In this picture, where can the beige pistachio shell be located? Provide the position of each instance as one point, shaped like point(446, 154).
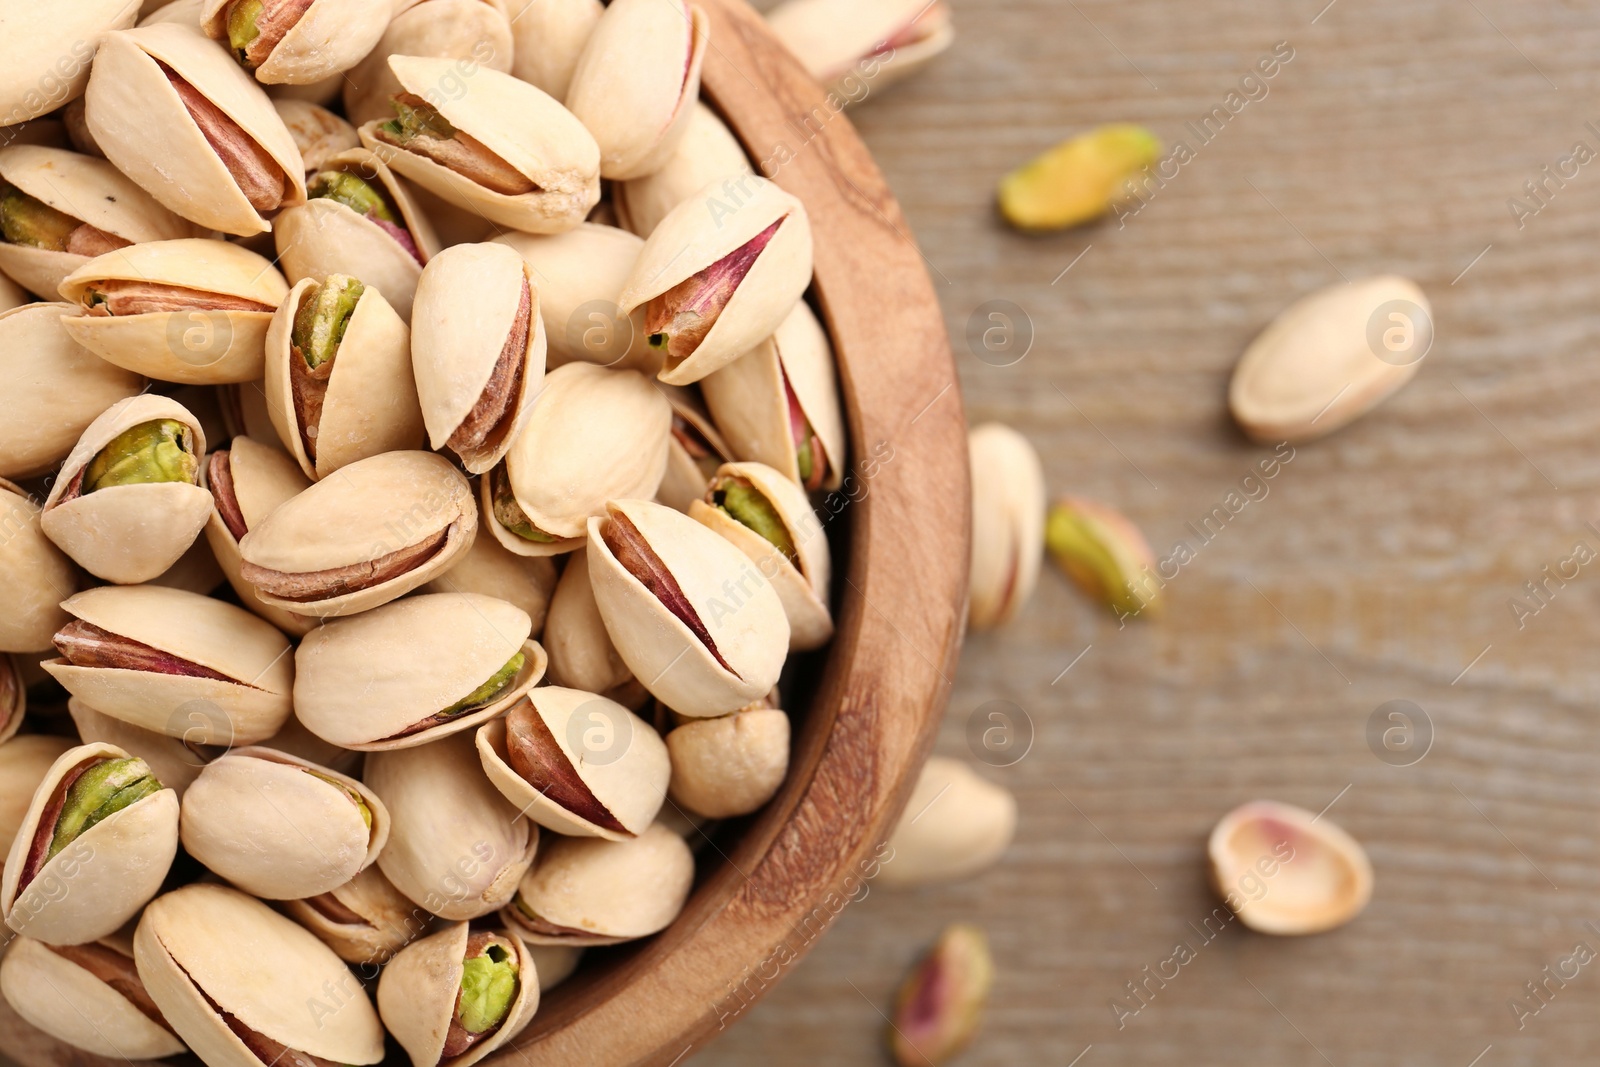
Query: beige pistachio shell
point(13, 696)
point(620, 760)
point(555, 963)
point(176, 762)
point(581, 653)
point(534, 134)
point(695, 451)
point(295, 740)
point(46, 49)
point(489, 570)
point(362, 682)
point(54, 389)
point(637, 81)
point(126, 533)
point(200, 630)
point(710, 225)
point(739, 609)
point(244, 411)
point(603, 892)
point(72, 1004)
point(263, 477)
point(139, 121)
point(848, 45)
point(418, 992)
point(35, 576)
point(457, 847)
point(708, 152)
point(11, 294)
point(324, 93)
point(195, 572)
point(1008, 520)
point(196, 347)
point(1315, 875)
point(373, 509)
point(731, 765)
point(550, 36)
point(749, 402)
point(91, 191)
point(470, 33)
point(330, 37)
point(366, 920)
point(955, 825)
point(102, 879)
point(24, 761)
point(187, 12)
point(207, 947)
point(318, 133)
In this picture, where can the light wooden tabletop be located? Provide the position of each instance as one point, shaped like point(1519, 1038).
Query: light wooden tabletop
point(1381, 564)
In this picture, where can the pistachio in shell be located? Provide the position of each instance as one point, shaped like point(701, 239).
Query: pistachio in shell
point(318, 133)
point(175, 761)
point(729, 766)
point(470, 33)
point(1008, 524)
point(366, 920)
point(294, 42)
point(694, 453)
point(847, 45)
point(13, 697)
point(490, 570)
point(581, 653)
point(35, 576)
point(549, 37)
point(46, 49)
point(955, 825)
point(708, 151)
point(11, 294)
point(24, 762)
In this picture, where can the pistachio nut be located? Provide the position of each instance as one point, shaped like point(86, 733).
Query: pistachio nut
point(955, 825)
point(88, 996)
point(729, 766)
point(779, 404)
point(59, 209)
point(769, 518)
point(280, 827)
point(247, 480)
point(359, 219)
point(470, 33)
point(1285, 870)
point(498, 146)
point(195, 572)
point(595, 892)
point(79, 139)
point(489, 570)
point(384, 526)
point(555, 963)
point(708, 151)
point(1008, 501)
point(844, 43)
point(414, 671)
point(694, 451)
point(173, 112)
point(366, 920)
point(46, 49)
point(549, 37)
point(54, 389)
point(456, 846)
point(1105, 554)
point(637, 81)
point(318, 133)
point(24, 761)
point(98, 838)
point(720, 274)
point(940, 1005)
point(693, 618)
point(1079, 180)
point(581, 653)
point(478, 352)
point(295, 42)
point(177, 663)
point(11, 294)
point(13, 697)
point(127, 503)
point(175, 761)
point(454, 997)
point(577, 763)
point(35, 576)
point(244, 986)
point(296, 740)
point(193, 311)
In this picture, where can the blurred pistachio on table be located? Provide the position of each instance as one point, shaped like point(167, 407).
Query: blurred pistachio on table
point(1079, 180)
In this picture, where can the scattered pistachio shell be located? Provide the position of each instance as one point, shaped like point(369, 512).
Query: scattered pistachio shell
point(1008, 496)
point(1104, 554)
point(940, 1006)
point(855, 45)
point(1284, 870)
point(955, 825)
point(1079, 180)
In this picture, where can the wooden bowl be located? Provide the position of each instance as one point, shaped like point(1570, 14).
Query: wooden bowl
point(882, 683)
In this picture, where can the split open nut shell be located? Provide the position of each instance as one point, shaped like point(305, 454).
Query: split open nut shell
point(1284, 870)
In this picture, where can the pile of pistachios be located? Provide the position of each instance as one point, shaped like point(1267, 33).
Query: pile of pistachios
point(415, 433)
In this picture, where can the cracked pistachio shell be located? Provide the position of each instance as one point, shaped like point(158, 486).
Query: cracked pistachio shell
point(581, 653)
point(54, 389)
point(208, 947)
point(419, 990)
point(194, 347)
point(89, 190)
point(456, 846)
point(262, 477)
point(616, 762)
point(23, 763)
point(694, 452)
point(749, 399)
point(637, 80)
point(175, 761)
point(35, 576)
point(848, 44)
point(708, 151)
point(467, 308)
point(104, 876)
point(489, 570)
point(331, 36)
point(955, 825)
point(709, 226)
point(361, 682)
point(280, 827)
point(531, 132)
point(731, 765)
point(140, 122)
point(199, 630)
point(126, 533)
point(318, 133)
point(13, 696)
point(738, 608)
point(550, 36)
point(375, 508)
point(45, 52)
point(593, 892)
point(1008, 522)
point(581, 274)
point(1318, 877)
point(366, 920)
point(470, 33)
point(803, 582)
point(11, 294)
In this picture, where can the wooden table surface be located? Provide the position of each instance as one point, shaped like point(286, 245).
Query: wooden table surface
point(1381, 564)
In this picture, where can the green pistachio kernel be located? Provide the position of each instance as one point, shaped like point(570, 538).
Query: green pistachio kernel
point(320, 323)
point(414, 120)
point(803, 457)
point(26, 221)
point(748, 507)
point(508, 513)
point(99, 793)
point(497, 684)
point(158, 451)
point(361, 805)
point(355, 193)
point(243, 28)
point(488, 986)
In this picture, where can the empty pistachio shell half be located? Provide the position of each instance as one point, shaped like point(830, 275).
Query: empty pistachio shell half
point(581, 653)
point(88, 996)
point(694, 452)
point(592, 892)
point(98, 838)
point(24, 761)
point(577, 763)
point(498, 146)
point(1105, 554)
point(779, 404)
point(178, 663)
point(414, 671)
point(175, 761)
point(1284, 870)
point(35, 576)
point(127, 503)
point(490, 570)
point(457, 995)
point(707, 151)
point(386, 525)
point(692, 617)
point(1008, 502)
point(45, 52)
point(846, 44)
point(637, 81)
point(940, 1005)
point(291, 41)
point(720, 274)
point(550, 36)
point(456, 846)
point(955, 825)
point(470, 33)
point(244, 986)
point(478, 351)
point(366, 920)
point(247, 480)
point(729, 766)
point(318, 133)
